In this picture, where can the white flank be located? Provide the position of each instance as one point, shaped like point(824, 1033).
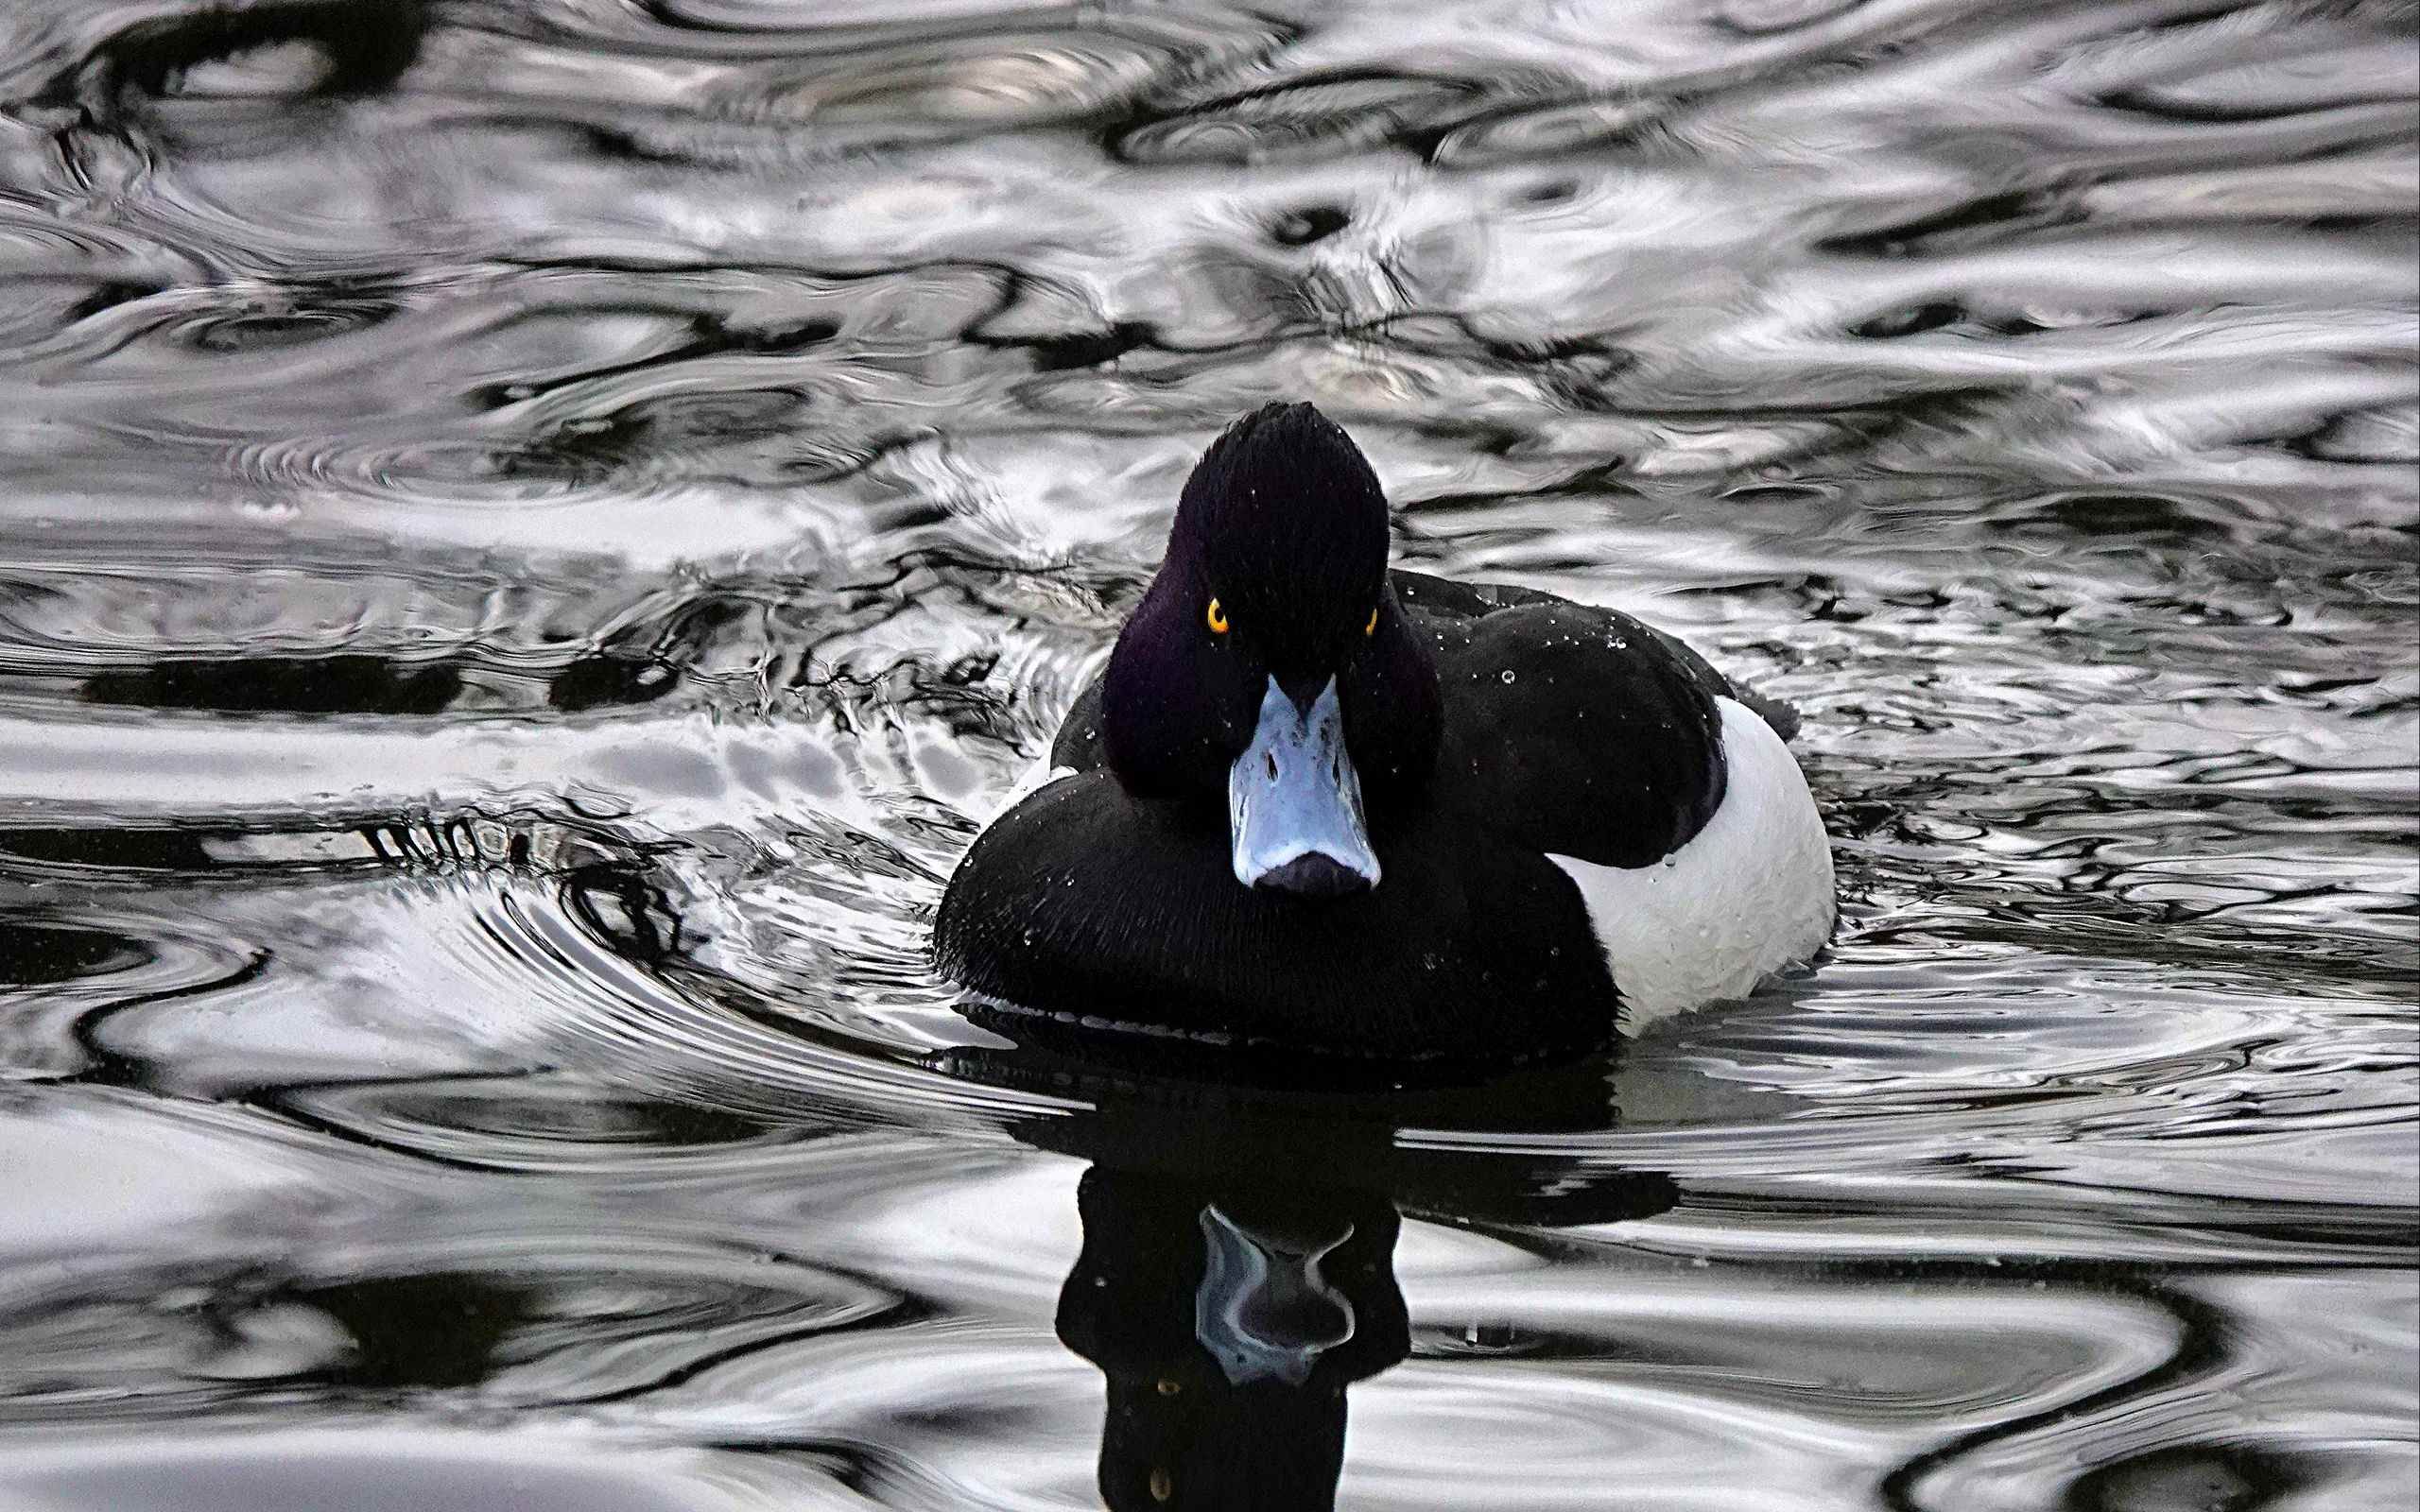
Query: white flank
point(1747, 895)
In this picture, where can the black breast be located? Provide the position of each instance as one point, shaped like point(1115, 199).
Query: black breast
point(1083, 901)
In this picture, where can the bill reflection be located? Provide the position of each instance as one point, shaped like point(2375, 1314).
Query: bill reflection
point(1228, 1319)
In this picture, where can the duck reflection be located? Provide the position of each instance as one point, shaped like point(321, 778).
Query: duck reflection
point(1229, 1318)
point(1237, 1268)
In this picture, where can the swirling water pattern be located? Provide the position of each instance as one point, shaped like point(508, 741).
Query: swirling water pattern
point(534, 531)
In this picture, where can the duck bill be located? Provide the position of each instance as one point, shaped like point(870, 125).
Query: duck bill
point(1294, 802)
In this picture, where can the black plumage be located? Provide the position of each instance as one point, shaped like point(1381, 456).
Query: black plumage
point(1492, 727)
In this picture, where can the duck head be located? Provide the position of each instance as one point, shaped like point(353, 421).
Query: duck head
point(1269, 669)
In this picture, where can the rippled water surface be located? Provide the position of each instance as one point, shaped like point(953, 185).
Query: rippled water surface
point(532, 532)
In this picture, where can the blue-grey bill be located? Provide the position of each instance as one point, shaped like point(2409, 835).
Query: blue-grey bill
point(1293, 797)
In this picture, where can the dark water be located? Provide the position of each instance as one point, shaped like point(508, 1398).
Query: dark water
point(532, 534)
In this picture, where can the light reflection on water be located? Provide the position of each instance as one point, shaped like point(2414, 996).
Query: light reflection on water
point(534, 533)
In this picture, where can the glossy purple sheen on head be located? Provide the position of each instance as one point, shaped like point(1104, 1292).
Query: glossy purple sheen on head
point(1284, 523)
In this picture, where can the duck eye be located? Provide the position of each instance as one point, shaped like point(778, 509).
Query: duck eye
point(1371, 629)
point(1217, 618)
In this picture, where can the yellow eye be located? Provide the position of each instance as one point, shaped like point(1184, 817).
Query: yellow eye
point(1371, 629)
point(1218, 618)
